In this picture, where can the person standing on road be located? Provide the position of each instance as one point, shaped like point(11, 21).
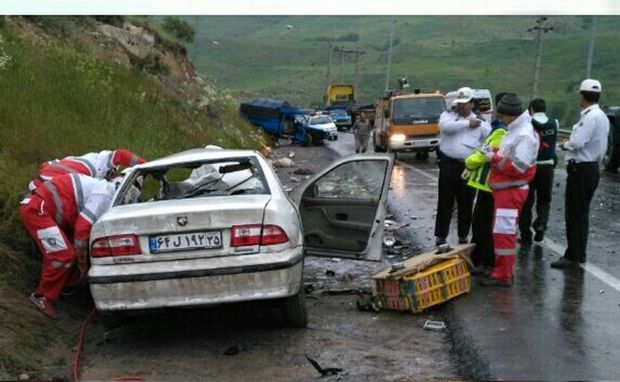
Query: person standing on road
point(361, 132)
point(459, 132)
point(478, 170)
point(585, 150)
point(542, 185)
point(513, 167)
point(59, 215)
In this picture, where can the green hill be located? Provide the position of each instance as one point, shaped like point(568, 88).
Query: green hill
point(69, 90)
point(286, 57)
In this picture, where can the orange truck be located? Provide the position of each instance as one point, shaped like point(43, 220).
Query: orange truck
point(408, 123)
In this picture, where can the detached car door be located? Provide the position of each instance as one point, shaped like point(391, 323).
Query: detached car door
point(343, 207)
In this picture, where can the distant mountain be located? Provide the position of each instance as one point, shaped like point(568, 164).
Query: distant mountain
point(286, 56)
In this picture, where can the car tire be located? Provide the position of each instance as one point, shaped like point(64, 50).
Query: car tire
point(421, 155)
point(295, 312)
point(612, 156)
point(335, 138)
point(307, 140)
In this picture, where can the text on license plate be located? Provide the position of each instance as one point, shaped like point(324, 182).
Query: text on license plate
point(185, 241)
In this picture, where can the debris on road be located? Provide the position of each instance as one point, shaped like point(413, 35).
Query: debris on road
point(434, 325)
point(329, 272)
point(424, 280)
point(367, 302)
point(323, 371)
point(303, 171)
point(283, 162)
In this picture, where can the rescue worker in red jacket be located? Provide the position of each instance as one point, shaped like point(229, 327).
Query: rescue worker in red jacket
point(59, 215)
point(97, 165)
point(513, 167)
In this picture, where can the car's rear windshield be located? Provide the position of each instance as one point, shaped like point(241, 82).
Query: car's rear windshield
point(203, 179)
point(338, 112)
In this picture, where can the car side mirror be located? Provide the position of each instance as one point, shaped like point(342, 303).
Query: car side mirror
point(386, 113)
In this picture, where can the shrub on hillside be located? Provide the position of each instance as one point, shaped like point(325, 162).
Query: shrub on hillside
point(180, 28)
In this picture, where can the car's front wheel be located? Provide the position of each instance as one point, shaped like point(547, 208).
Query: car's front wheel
point(295, 312)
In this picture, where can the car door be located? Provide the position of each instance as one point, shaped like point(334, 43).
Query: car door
point(343, 207)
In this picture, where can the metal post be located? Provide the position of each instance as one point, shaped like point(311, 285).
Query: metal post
point(341, 50)
point(329, 63)
point(591, 46)
point(389, 63)
point(537, 66)
point(540, 28)
point(357, 57)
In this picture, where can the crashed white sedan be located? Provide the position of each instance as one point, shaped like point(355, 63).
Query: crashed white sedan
point(208, 226)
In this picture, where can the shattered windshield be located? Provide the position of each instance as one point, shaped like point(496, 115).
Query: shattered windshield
point(407, 110)
point(353, 180)
point(227, 177)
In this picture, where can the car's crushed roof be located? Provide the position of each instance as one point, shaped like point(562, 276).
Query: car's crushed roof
point(199, 154)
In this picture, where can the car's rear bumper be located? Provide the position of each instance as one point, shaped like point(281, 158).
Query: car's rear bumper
point(197, 281)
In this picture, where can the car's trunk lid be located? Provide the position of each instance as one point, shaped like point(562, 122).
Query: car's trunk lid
point(190, 228)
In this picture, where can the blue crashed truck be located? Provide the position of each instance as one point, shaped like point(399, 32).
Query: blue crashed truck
point(281, 120)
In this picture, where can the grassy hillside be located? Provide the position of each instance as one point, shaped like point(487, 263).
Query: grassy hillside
point(58, 100)
point(261, 56)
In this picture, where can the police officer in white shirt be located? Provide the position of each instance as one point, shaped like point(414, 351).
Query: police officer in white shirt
point(459, 131)
point(585, 150)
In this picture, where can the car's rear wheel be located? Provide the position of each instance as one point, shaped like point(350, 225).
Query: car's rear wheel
point(612, 156)
point(295, 312)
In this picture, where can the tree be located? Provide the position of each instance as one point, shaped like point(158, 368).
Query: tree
point(180, 28)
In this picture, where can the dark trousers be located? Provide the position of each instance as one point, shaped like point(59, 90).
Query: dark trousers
point(451, 188)
point(540, 191)
point(580, 186)
point(482, 230)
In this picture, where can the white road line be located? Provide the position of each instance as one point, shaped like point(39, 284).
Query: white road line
point(592, 269)
point(588, 267)
point(421, 172)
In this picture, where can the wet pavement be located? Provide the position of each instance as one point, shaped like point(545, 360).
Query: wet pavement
point(552, 324)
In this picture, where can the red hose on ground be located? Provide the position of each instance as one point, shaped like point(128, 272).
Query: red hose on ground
point(76, 357)
point(78, 351)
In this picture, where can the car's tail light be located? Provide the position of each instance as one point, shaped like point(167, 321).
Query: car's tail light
point(272, 234)
point(255, 234)
point(120, 245)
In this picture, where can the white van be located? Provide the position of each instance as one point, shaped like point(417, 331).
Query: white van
point(483, 102)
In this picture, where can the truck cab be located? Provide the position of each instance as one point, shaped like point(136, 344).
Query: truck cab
point(408, 123)
point(340, 94)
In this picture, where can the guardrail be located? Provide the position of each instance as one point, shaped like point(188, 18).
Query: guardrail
point(563, 133)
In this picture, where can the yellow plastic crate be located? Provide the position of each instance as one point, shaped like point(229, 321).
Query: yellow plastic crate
point(435, 285)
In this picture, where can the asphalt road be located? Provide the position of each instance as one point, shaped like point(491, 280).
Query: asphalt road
point(552, 324)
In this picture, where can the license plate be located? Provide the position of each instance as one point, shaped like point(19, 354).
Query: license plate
point(185, 241)
point(419, 143)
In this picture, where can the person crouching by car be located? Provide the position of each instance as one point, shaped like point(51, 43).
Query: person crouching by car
point(59, 215)
point(513, 167)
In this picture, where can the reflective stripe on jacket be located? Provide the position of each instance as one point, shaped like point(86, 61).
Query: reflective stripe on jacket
point(478, 165)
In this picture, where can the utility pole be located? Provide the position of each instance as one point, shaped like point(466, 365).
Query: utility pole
point(342, 52)
point(591, 46)
point(540, 28)
point(329, 63)
point(357, 59)
point(389, 63)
